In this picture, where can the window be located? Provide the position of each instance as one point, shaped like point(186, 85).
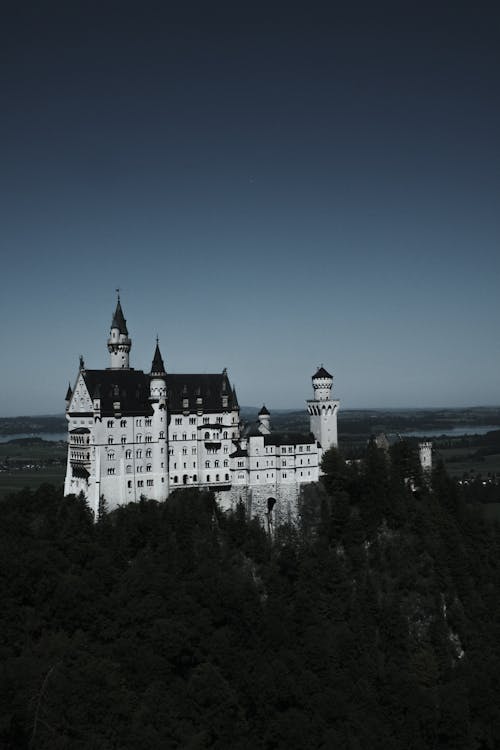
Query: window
point(283, 450)
point(226, 449)
point(178, 420)
point(148, 467)
point(208, 477)
point(110, 423)
point(184, 436)
point(129, 484)
point(184, 451)
point(123, 439)
point(128, 454)
point(111, 456)
point(148, 438)
point(224, 434)
point(192, 420)
point(207, 436)
point(162, 435)
point(194, 464)
point(140, 483)
point(129, 469)
point(170, 451)
point(219, 420)
point(111, 470)
point(216, 464)
point(139, 469)
point(148, 422)
point(207, 464)
point(193, 451)
point(227, 477)
point(176, 479)
point(290, 449)
point(226, 462)
point(193, 436)
point(284, 475)
point(174, 436)
point(301, 448)
point(206, 420)
point(110, 440)
point(123, 423)
point(139, 439)
point(195, 478)
point(148, 453)
point(283, 462)
point(138, 454)
point(241, 464)
point(308, 448)
point(217, 478)
point(150, 482)
point(138, 422)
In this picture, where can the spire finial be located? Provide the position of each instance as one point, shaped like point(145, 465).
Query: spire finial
point(117, 290)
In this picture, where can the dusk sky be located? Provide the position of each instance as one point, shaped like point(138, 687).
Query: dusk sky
point(272, 187)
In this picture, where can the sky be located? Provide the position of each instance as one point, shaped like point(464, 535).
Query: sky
point(271, 186)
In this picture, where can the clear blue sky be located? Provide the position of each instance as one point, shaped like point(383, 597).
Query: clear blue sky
point(272, 187)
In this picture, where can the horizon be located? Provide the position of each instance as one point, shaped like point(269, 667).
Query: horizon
point(269, 189)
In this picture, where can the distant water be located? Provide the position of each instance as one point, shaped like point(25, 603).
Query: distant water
point(453, 431)
point(43, 435)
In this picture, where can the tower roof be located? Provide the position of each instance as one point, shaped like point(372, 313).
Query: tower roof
point(264, 412)
point(321, 373)
point(69, 393)
point(157, 367)
point(119, 320)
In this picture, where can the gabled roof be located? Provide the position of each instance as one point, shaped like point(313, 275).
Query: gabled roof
point(211, 388)
point(128, 387)
point(321, 373)
point(289, 438)
point(119, 320)
point(264, 412)
point(157, 367)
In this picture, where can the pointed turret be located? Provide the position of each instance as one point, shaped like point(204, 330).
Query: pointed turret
point(158, 383)
point(119, 344)
point(119, 319)
point(157, 366)
point(69, 393)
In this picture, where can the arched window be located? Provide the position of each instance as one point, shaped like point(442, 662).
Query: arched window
point(207, 436)
point(207, 464)
point(129, 469)
point(128, 454)
point(227, 477)
point(224, 434)
point(176, 480)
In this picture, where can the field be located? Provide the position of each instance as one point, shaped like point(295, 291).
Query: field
point(30, 463)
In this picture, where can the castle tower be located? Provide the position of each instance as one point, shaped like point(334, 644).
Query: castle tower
point(119, 344)
point(425, 456)
point(323, 410)
point(264, 421)
point(160, 422)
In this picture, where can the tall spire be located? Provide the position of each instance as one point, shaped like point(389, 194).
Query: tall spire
point(157, 367)
point(118, 318)
point(119, 344)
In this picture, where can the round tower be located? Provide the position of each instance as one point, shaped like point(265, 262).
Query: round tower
point(323, 410)
point(119, 343)
point(264, 421)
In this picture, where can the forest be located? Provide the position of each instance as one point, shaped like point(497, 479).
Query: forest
point(373, 623)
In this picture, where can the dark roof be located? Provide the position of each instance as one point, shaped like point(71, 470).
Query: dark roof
point(191, 386)
point(264, 412)
point(118, 319)
point(239, 453)
point(129, 387)
point(289, 438)
point(157, 367)
point(322, 373)
point(79, 431)
point(69, 393)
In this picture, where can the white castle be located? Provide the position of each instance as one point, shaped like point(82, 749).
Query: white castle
point(134, 434)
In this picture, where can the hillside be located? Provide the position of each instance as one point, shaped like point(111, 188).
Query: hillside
point(373, 625)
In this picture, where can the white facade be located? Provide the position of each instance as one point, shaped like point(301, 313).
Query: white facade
point(133, 434)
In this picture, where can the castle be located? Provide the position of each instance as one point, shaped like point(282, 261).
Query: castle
point(134, 434)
